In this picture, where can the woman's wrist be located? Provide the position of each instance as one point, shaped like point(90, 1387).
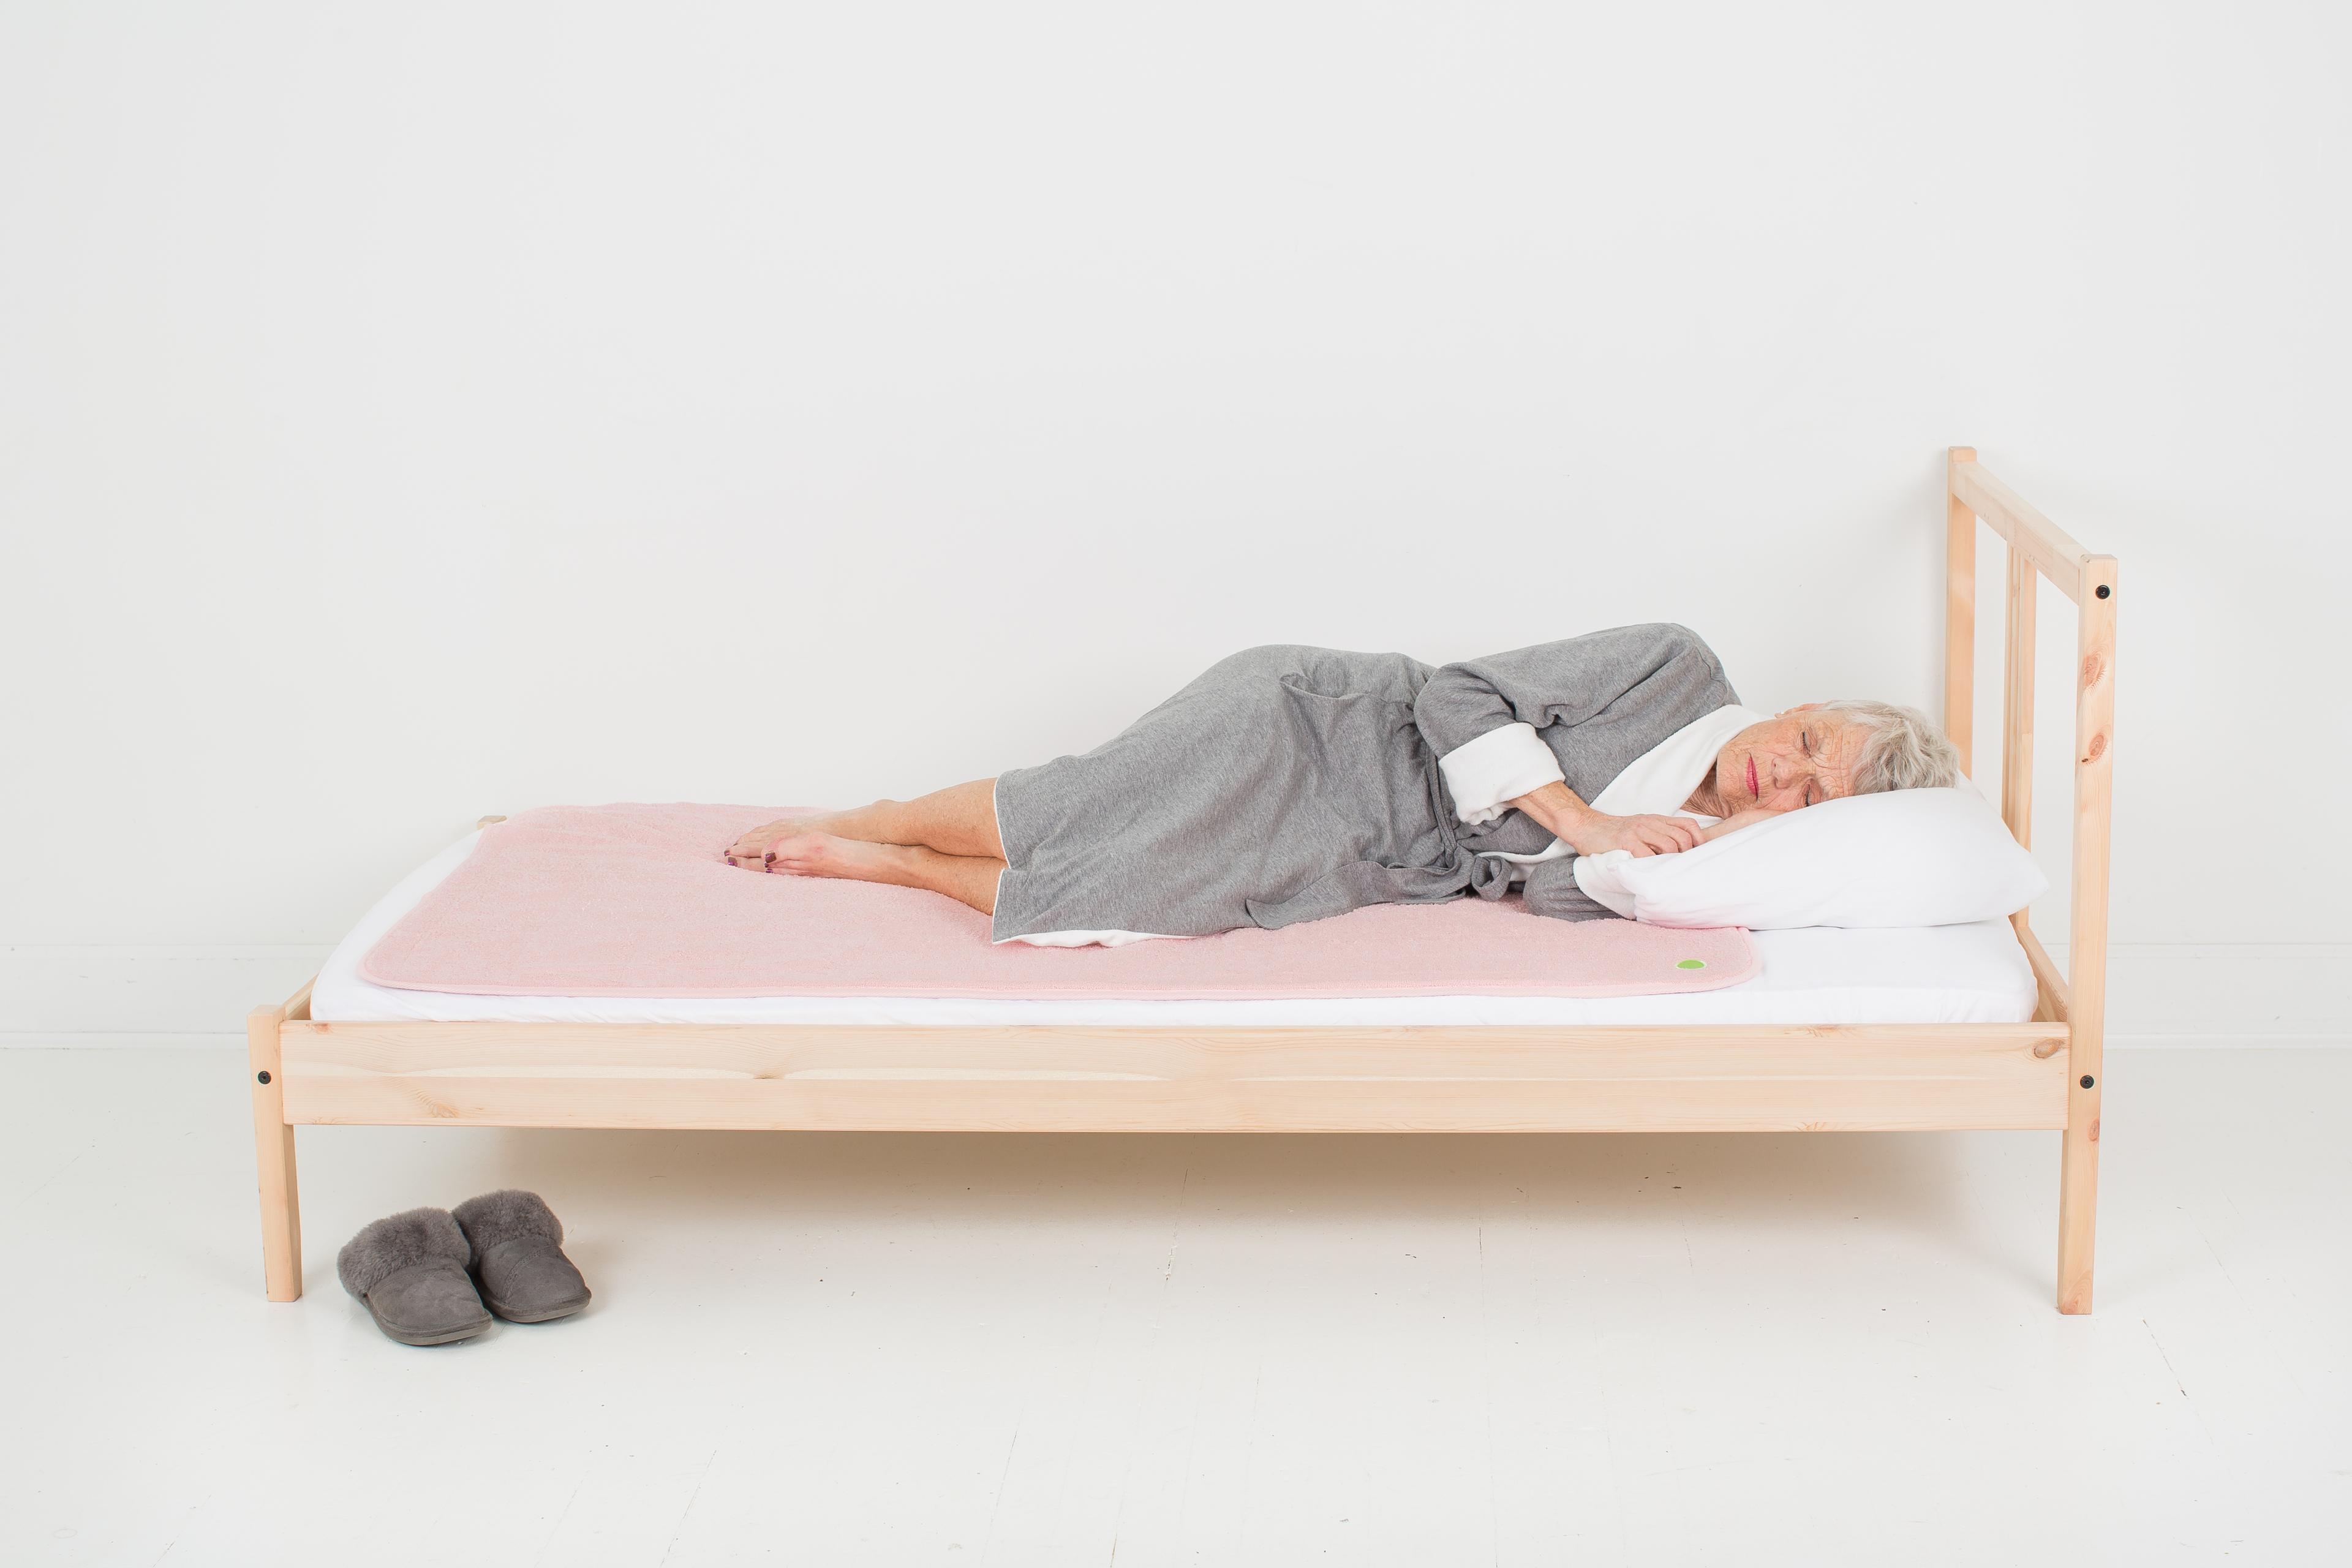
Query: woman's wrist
point(1556, 806)
point(1590, 832)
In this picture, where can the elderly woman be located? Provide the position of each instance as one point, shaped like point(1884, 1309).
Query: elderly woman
point(1288, 783)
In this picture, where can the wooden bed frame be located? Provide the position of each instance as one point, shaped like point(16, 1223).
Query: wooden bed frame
point(1329, 1078)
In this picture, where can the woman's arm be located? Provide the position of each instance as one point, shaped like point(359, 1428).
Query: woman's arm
point(1483, 717)
point(1589, 832)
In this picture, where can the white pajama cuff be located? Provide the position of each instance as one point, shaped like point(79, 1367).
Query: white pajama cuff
point(1092, 937)
point(1500, 765)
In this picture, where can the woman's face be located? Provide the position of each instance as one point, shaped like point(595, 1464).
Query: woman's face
point(1802, 757)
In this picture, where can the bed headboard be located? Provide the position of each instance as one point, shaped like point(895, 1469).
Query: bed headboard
point(2039, 548)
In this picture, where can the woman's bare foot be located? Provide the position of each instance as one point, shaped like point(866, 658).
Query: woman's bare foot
point(750, 851)
point(958, 821)
point(806, 854)
point(967, 879)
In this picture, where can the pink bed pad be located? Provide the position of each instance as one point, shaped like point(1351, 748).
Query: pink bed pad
point(618, 900)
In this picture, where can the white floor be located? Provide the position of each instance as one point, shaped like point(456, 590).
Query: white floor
point(975, 1349)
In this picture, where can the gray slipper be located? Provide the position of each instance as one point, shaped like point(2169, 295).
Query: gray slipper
point(409, 1269)
point(519, 1256)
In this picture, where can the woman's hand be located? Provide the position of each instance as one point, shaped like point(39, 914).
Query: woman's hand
point(1593, 834)
point(1589, 832)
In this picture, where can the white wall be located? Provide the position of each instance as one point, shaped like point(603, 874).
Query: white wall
point(409, 411)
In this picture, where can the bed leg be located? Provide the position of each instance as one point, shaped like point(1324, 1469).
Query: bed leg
point(273, 1147)
point(2086, 1010)
point(2078, 1194)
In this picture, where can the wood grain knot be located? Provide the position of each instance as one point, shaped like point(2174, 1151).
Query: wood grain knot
point(2094, 1128)
point(2098, 748)
point(2094, 666)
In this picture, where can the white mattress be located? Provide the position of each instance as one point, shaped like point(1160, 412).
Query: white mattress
point(1974, 974)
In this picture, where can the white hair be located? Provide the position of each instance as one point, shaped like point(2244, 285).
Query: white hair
point(1900, 749)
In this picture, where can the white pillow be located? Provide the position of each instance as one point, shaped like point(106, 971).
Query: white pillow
point(1901, 857)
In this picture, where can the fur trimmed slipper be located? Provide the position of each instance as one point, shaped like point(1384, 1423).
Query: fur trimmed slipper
point(409, 1270)
point(519, 1256)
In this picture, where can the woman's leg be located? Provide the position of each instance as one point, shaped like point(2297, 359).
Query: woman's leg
point(967, 879)
point(960, 821)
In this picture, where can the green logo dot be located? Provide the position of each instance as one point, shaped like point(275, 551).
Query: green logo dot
point(1691, 964)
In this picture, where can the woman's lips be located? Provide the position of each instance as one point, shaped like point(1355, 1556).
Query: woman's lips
point(1752, 790)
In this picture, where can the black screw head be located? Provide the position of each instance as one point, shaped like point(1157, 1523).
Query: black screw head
point(2086, 1079)
point(264, 1077)
point(2105, 590)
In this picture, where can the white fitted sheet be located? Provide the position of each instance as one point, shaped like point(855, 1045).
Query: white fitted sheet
point(1974, 974)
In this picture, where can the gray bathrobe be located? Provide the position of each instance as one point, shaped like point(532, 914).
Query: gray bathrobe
point(1288, 783)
